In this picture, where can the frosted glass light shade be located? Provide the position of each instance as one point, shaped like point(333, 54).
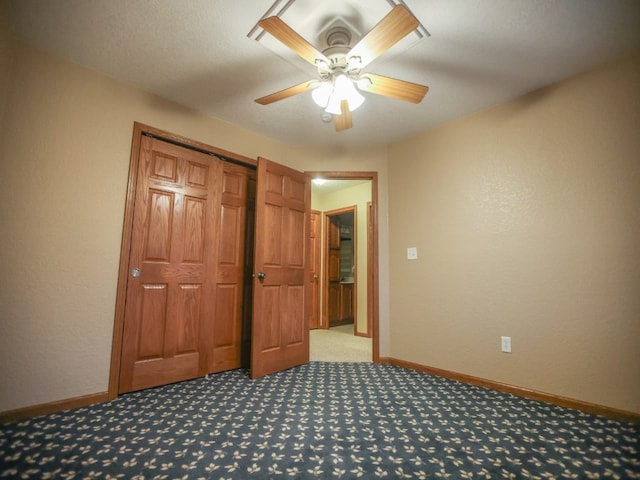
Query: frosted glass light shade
point(333, 107)
point(321, 94)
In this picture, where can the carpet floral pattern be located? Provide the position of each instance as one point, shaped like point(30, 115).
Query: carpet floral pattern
point(320, 421)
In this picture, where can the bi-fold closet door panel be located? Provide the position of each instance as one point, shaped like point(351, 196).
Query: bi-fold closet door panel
point(282, 287)
point(233, 238)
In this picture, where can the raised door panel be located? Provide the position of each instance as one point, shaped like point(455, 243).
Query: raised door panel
point(152, 311)
point(227, 328)
point(334, 233)
point(185, 315)
point(195, 221)
point(158, 224)
point(293, 331)
point(333, 303)
point(334, 265)
point(346, 302)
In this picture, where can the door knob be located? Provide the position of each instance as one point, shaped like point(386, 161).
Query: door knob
point(261, 276)
point(315, 277)
point(135, 272)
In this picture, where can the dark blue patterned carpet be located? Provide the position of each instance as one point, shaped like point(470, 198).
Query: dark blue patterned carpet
point(321, 420)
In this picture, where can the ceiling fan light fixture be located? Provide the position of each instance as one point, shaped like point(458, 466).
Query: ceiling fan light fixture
point(344, 89)
point(339, 66)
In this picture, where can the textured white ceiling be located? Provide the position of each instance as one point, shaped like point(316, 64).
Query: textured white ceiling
point(197, 53)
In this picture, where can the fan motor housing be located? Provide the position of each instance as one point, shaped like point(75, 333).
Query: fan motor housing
point(338, 36)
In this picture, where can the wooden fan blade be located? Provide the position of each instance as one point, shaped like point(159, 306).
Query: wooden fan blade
point(286, 93)
point(396, 25)
point(344, 121)
point(289, 37)
point(394, 88)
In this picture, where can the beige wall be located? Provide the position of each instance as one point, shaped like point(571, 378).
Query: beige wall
point(357, 195)
point(527, 222)
point(64, 157)
point(6, 56)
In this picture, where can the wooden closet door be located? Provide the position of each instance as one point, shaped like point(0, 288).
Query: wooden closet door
point(281, 297)
point(228, 319)
point(171, 288)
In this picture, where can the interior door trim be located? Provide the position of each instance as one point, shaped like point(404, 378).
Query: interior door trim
point(139, 130)
point(373, 297)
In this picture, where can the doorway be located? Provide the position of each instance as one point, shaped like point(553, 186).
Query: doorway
point(367, 264)
point(340, 284)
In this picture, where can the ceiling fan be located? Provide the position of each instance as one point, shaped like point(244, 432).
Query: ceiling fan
point(340, 67)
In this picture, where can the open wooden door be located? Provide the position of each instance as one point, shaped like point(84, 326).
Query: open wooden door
point(281, 299)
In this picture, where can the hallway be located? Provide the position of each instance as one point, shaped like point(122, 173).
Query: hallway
point(339, 344)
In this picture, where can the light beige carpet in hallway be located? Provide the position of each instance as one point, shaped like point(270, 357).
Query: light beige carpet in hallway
point(338, 344)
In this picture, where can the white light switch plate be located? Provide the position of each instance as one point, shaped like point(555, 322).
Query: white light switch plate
point(412, 253)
